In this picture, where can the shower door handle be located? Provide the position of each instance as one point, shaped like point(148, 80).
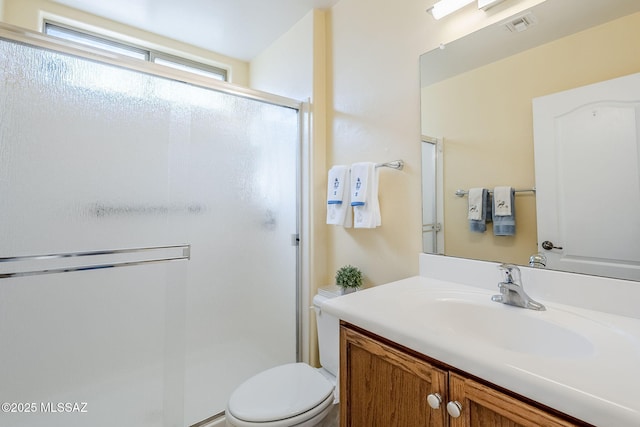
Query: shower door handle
point(20, 266)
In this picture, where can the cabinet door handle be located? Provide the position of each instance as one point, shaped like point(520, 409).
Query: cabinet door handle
point(454, 409)
point(434, 400)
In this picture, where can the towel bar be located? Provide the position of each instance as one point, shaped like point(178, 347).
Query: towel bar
point(396, 164)
point(462, 193)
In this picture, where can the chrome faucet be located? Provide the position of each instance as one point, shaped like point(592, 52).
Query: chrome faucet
point(511, 290)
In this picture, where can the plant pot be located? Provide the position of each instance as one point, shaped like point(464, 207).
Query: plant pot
point(344, 291)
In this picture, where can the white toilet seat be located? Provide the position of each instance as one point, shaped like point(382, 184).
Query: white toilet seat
point(307, 419)
point(294, 394)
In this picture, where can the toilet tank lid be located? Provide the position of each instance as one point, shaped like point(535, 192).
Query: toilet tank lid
point(320, 297)
point(330, 291)
point(278, 393)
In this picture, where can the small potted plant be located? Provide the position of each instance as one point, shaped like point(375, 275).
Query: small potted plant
point(348, 278)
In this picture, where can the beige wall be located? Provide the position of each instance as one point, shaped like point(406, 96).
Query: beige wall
point(30, 13)
point(374, 115)
point(486, 119)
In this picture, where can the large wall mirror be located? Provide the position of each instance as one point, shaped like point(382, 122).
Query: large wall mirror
point(476, 99)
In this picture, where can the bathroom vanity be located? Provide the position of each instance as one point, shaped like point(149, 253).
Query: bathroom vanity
point(385, 384)
point(435, 352)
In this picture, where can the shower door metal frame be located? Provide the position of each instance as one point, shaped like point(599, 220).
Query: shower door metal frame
point(436, 226)
point(23, 36)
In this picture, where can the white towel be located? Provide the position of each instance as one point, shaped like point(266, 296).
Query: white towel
point(336, 183)
point(338, 206)
point(359, 181)
point(502, 201)
point(364, 195)
point(475, 204)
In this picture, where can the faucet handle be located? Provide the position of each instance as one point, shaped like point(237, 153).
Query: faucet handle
point(510, 273)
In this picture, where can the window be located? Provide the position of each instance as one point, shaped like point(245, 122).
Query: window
point(88, 39)
point(191, 66)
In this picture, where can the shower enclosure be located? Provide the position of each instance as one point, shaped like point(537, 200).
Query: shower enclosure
point(148, 259)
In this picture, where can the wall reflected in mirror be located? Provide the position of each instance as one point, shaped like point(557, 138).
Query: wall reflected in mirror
point(476, 97)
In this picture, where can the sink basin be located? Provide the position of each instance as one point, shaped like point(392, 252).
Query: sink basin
point(509, 328)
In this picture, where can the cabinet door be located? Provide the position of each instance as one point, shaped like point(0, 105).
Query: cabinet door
point(381, 386)
point(484, 406)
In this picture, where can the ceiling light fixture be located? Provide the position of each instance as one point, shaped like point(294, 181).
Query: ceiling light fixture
point(446, 7)
point(488, 4)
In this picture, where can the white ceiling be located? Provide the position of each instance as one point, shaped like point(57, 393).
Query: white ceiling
point(237, 28)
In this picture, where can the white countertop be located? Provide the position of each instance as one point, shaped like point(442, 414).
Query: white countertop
point(597, 380)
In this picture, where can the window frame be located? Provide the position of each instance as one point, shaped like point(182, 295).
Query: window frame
point(150, 55)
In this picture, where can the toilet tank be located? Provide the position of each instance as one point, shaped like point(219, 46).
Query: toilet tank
point(328, 336)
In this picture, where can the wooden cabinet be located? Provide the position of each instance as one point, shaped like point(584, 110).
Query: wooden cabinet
point(485, 406)
point(382, 384)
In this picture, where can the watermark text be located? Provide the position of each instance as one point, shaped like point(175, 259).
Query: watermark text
point(46, 407)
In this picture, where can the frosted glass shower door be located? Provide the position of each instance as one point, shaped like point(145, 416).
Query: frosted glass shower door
point(241, 289)
point(86, 166)
point(95, 157)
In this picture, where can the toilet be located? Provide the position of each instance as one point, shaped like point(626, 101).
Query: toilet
point(294, 394)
